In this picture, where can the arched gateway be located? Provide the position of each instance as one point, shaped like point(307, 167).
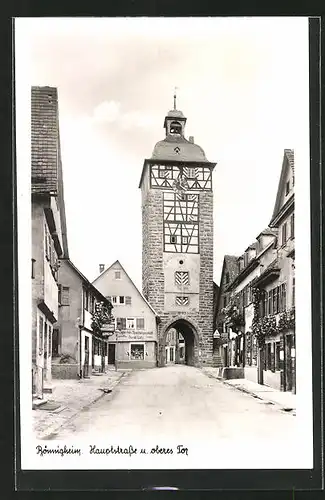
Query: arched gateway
point(177, 235)
point(190, 339)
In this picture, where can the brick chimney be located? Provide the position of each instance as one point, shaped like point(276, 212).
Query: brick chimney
point(101, 268)
point(191, 139)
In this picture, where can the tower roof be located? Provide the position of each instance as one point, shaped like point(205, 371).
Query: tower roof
point(179, 149)
point(175, 146)
point(175, 113)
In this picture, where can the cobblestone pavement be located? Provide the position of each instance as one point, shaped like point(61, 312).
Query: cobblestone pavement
point(72, 396)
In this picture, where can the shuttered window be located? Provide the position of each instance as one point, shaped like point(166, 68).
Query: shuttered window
point(128, 300)
point(140, 323)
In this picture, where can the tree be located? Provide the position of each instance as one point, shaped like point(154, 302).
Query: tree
point(101, 316)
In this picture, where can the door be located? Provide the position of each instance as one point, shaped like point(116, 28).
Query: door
point(111, 354)
point(261, 365)
point(86, 361)
point(288, 363)
point(104, 347)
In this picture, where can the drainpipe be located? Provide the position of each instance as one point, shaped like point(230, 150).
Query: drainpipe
point(80, 354)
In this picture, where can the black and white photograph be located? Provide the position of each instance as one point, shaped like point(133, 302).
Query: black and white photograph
point(163, 198)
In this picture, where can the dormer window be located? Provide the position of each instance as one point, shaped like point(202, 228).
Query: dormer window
point(175, 128)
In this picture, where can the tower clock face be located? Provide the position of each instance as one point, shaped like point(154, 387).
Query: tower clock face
point(181, 222)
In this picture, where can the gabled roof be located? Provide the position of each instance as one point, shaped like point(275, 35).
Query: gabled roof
point(252, 246)
point(268, 231)
point(230, 262)
point(85, 280)
point(118, 262)
point(287, 163)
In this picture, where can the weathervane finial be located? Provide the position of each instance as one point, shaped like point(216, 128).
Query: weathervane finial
point(176, 88)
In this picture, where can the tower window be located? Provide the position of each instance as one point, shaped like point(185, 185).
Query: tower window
point(173, 239)
point(175, 128)
point(185, 240)
point(191, 173)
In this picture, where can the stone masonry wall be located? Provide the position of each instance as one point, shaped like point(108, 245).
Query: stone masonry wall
point(206, 274)
point(153, 274)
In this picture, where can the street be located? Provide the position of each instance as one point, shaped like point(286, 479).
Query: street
point(179, 401)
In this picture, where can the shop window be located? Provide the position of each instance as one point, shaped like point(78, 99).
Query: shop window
point(137, 351)
point(140, 323)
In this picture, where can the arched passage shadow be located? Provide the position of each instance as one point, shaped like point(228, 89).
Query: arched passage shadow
point(190, 335)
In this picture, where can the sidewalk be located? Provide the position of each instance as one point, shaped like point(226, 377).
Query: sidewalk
point(69, 397)
point(285, 400)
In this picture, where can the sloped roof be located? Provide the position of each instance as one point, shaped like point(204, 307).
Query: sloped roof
point(46, 164)
point(118, 262)
point(268, 231)
point(288, 162)
point(252, 246)
point(231, 263)
point(179, 149)
point(87, 282)
point(44, 139)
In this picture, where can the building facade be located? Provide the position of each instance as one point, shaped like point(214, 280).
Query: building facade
point(78, 350)
point(134, 342)
point(257, 309)
point(177, 235)
point(49, 236)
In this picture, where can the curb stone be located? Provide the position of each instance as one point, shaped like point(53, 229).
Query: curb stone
point(290, 411)
point(52, 430)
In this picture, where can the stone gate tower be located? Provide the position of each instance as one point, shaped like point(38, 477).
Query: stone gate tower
point(177, 233)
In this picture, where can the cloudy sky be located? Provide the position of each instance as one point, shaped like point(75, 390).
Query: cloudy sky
point(242, 86)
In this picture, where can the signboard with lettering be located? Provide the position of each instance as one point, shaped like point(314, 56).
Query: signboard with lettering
point(127, 335)
point(108, 328)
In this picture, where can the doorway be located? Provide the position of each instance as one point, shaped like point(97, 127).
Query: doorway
point(86, 360)
point(111, 354)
